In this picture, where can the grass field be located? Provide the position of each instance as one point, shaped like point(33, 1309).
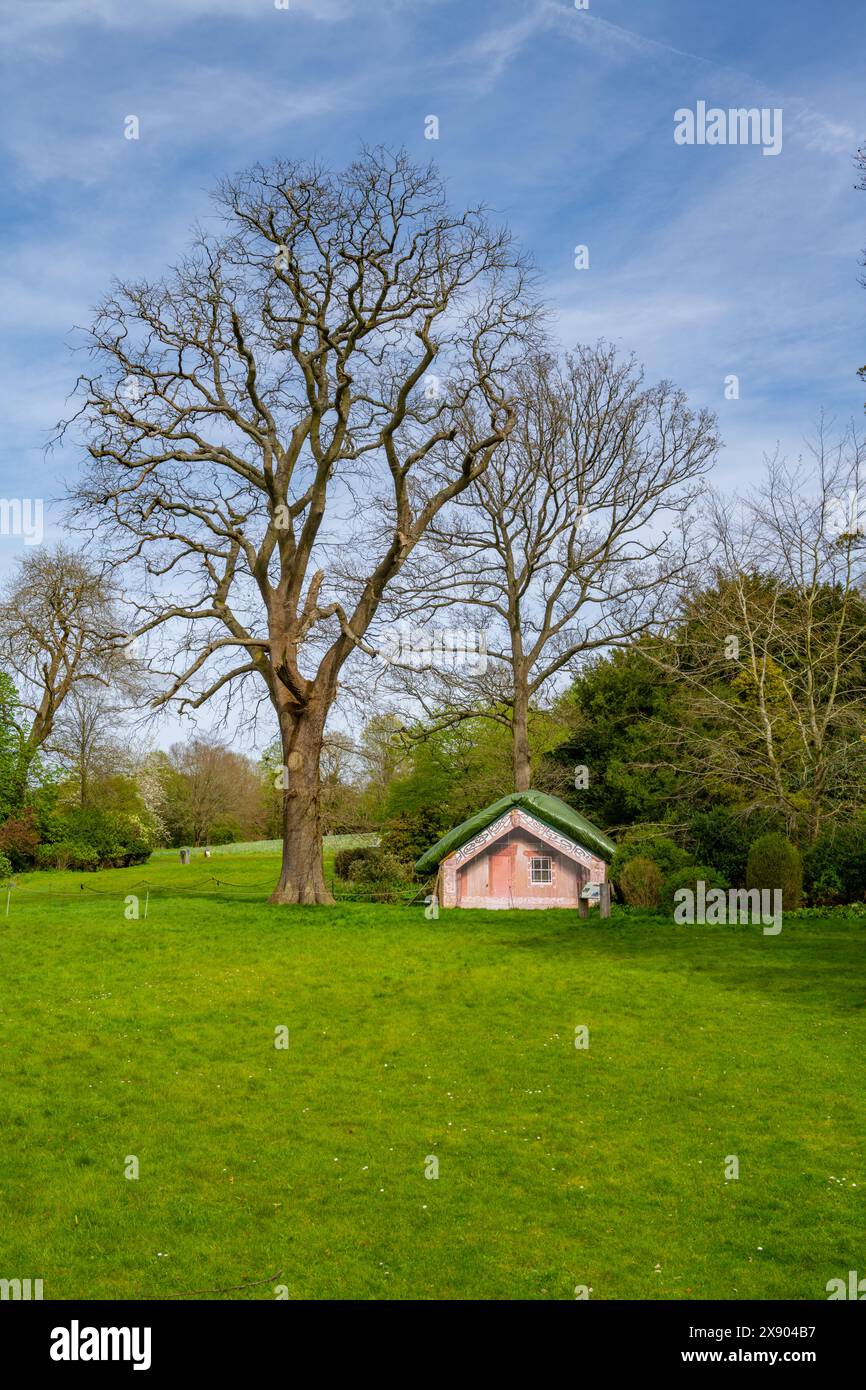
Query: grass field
point(411, 1039)
point(259, 847)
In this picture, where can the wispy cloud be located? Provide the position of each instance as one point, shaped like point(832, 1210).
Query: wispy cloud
point(704, 261)
point(32, 18)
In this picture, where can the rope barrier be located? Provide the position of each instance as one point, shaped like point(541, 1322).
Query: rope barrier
point(145, 883)
point(164, 890)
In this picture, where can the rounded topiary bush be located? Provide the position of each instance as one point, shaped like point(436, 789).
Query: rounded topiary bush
point(689, 878)
point(775, 863)
point(640, 882)
point(5, 867)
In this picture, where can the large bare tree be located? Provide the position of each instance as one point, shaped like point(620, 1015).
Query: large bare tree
point(270, 407)
point(572, 541)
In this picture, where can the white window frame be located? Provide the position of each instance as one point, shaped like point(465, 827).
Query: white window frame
point(540, 860)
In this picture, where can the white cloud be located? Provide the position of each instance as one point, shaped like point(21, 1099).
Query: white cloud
point(30, 19)
point(183, 111)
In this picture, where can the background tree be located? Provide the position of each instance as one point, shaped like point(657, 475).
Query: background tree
point(212, 795)
point(614, 720)
point(11, 741)
point(573, 540)
point(270, 404)
point(60, 635)
point(772, 654)
point(341, 784)
point(446, 774)
point(85, 739)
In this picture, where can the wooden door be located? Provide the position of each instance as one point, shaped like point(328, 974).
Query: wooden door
point(500, 874)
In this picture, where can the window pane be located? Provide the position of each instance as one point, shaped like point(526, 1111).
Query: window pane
point(541, 870)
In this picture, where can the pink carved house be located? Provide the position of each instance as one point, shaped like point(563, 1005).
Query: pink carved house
point(526, 850)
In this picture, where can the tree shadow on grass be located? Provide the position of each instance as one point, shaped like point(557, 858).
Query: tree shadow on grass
point(818, 964)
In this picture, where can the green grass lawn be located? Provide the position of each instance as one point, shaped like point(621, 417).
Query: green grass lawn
point(558, 1167)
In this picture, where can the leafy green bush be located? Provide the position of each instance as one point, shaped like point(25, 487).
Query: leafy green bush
point(136, 852)
point(371, 875)
point(641, 882)
point(644, 841)
point(114, 837)
point(827, 890)
point(67, 854)
point(5, 868)
point(834, 868)
point(775, 863)
point(345, 858)
point(690, 877)
point(377, 867)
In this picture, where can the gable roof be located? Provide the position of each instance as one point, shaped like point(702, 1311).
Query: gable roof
point(549, 809)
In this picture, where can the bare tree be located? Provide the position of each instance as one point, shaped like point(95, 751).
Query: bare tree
point(60, 636)
point(771, 656)
point(214, 784)
point(572, 541)
point(85, 737)
point(270, 405)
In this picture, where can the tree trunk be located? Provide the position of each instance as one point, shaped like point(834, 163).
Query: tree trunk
point(520, 740)
point(21, 777)
point(302, 879)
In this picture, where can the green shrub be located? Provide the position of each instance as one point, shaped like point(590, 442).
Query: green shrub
point(644, 841)
point(834, 868)
point(345, 858)
point(690, 877)
point(6, 870)
point(640, 882)
point(137, 852)
point(775, 863)
point(115, 838)
point(373, 876)
point(377, 867)
point(67, 854)
point(827, 890)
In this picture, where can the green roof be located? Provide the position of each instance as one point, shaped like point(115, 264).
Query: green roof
point(549, 809)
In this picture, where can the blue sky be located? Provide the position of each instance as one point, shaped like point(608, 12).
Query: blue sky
point(704, 260)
